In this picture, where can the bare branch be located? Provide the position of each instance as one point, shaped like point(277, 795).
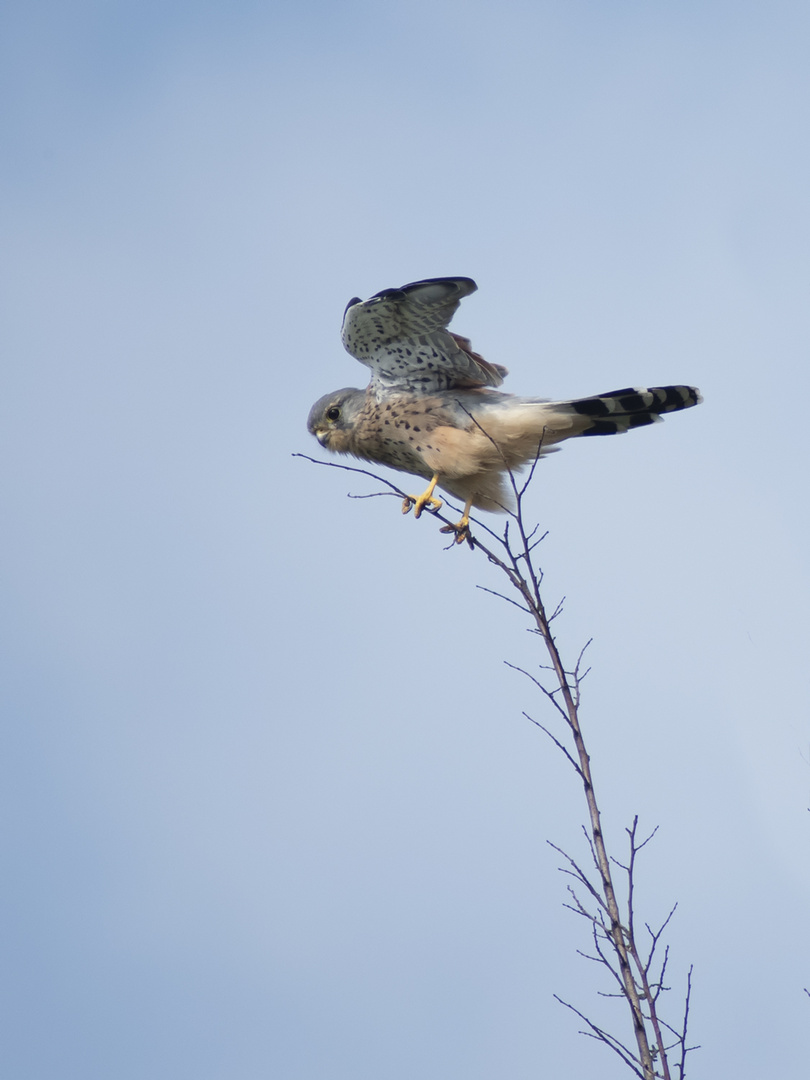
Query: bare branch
point(508, 599)
point(550, 694)
point(597, 1033)
point(639, 980)
point(353, 469)
point(554, 739)
point(576, 871)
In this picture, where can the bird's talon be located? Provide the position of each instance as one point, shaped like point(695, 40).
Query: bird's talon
point(426, 499)
point(461, 530)
point(430, 504)
point(420, 503)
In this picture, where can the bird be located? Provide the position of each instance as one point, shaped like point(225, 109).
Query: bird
point(432, 407)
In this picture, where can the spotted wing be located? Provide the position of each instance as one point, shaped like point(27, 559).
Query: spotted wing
point(402, 335)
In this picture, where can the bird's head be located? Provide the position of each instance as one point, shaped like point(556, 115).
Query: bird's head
point(332, 418)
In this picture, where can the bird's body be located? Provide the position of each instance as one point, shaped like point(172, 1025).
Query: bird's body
point(429, 408)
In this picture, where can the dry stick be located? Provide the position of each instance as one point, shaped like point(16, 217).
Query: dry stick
point(526, 580)
point(616, 931)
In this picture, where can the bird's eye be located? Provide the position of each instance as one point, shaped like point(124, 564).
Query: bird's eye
point(333, 413)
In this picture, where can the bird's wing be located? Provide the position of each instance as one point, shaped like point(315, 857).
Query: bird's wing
point(402, 335)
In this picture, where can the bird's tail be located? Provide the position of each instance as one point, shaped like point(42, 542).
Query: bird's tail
point(507, 432)
point(622, 410)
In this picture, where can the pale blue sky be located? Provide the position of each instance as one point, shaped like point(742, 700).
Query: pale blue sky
point(254, 825)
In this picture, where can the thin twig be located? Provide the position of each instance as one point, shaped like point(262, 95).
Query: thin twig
point(597, 1033)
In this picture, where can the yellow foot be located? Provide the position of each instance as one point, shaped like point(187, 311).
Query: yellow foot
point(433, 505)
point(419, 502)
point(461, 528)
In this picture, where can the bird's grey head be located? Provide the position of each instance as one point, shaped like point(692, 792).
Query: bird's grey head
point(332, 417)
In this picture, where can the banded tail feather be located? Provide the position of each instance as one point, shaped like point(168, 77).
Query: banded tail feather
point(622, 410)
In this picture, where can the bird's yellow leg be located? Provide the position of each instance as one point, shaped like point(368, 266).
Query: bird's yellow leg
point(461, 528)
point(419, 502)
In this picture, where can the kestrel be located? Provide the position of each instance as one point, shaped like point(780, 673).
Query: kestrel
point(429, 409)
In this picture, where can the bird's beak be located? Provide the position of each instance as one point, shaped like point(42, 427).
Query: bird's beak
point(322, 436)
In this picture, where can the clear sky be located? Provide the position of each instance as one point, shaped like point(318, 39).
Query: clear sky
point(268, 804)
